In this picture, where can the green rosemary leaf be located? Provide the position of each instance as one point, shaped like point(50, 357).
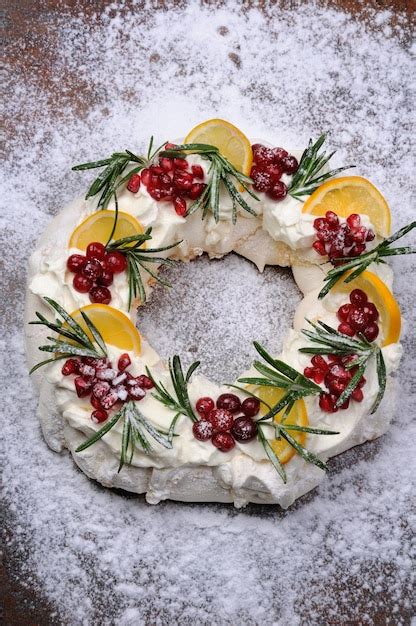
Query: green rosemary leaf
point(351, 386)
point(95, 333)
point(136, 416)
point(191, 370)
point(171, 433)
point(264, 382)
point(42, 363)
point(68, 349)
point(272, 455)
point(307, 429)
point(103, 431)
point(70, 321)
point(382, 380)
point(113, 229)
point(91, 165)
point(125, 440)
point(303, 452)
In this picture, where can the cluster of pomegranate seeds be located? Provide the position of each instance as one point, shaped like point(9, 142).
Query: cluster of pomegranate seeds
point(339, 240)
point(269, 164)
point(94, 272)
point(226, 421)
point(106, 386)
point(358, 316)
point(171, 180)
point(336, 377)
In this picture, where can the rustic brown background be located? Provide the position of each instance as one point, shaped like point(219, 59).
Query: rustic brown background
point(26, 25)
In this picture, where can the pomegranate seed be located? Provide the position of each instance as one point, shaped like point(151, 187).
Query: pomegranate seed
point(370, 235)
point(166, 164)
point(123, 362)
point(250, 407)
point(354, 221)
point(134, 183)
point(81, 283)
point(327, 403)
point(82, 387)
point(336, 387)
point(319, 246)
point(244, 428)
point(359, 236)
point(170, 146)
point(371, 332)
point(89, 360)
point(221, 420)
point(345, 404)
point(196, 190)
point(95, 402)
point(324, 234)
point(92, 269)
point(87, 371)
point(289, 164)
point(357, 249)
point(318, 376)
point(100, 295)
point(136, 393)
point(343, 312)
point(106, 373)
point(100, 389)
point(334, 358)
point(197, 172)
point(361, 382)
point(371, 311)
point(319, 362)
point(180, 164)
point(319, 223)
point(340, 372)
point(229, 402)
point(261, 180)
point(155, 170)
point(357, 319)
point(109, 400)
point(332, 220)
point(357, 395)
point(278, 191)
point(205, 405)
point(99, 415)
point(223, 441)
point(71, 366)
point(279, 154)
point(145, 176)
point(116, 262)
point(275, 172)
point(106, 278)
point(180, 206)
point(261, 155)
point(309, 372)
point(182, 180)
point(346, 329)
point(202, 430)
point(145, 382)
point(119, 379)
point(76, 262)
point(358, 297)
point(337, 248)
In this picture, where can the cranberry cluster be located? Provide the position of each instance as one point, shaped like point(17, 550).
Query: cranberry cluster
point(269, 166)
point(339, 240)
point(336, 377)
point(94, 272)
point(220, 421)
point(171, 180)
point(105, 384)
point(359, 316)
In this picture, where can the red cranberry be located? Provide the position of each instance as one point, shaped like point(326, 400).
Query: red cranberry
point(357, 395)
point(180, 206)
point(357, 319)
point(279, 154)
point(250, 407)
point(71, 366)
point(76, 262)
point(101, 295)
point(124, 361)
point(81, 283)
point(221, 420)
point(196, 190)
point(262, 181)
point(99, 415)
point(327, 403)
point(244, 429)
point(134, 183)
point(92, 269)
point(289, 164)
point(275, 172)
point(319, 247)
point(95, 250)
point(230, 402)
point(205, 405)
point(358, 297)
point(116, 262)
point(354, 221)
point(197, 172)
point(145, 382)
point(106, 278)
point(371, 311)
point(343, 312)
point(261, 155)
point(346, 329)
point(202, 430)
point(371, 332)
point(223, 441)
point(278, 191)
point(82, 387)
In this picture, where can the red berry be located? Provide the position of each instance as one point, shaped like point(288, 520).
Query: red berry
point(145, 176)
point(106, 278)
point(124, 361)
point(370, 235)
point(250, 407)
point(359, 236)
point(100, 389)
point(76, 262)
point(244, 428)
point(343, 312)
point(309, 372)
point(101, 295)
point(346, 329)
point(319, 362)
point(221, 420)
point(371, 311)
point(229, 402)
point(95, 402)
point(262, 181)
point(361, 382)
point(261, 155)
point(71, 366)
point(354, 221)
point(289, 164)
point(318, 376)
point(109, 400)
point(134, 183)
point(92, 269)
point(82, 387)
point(336, 387)
point(99, 415)
point(278, 191)
point(196, 190)
point(166, 164)
point(223, 441)
point(357, 319)
point(180, 164)
point(357, 249)
point(155, 170)
point(205, 405)
point(145, 382)
point(81, 283)
point(357, 395)
point(327, 403)
point(325, 234)
point(180, 206)
point(319, 246)
point(87, 371)
point(197, 172)
point(275, 172)
point(371, 332)
point(182, 180)
point(115, 262)
point(358, 297)
point(332, 220)
point(319, 223)
point(279, 154)
point(202, 430)
point(136, 392)
point(345, 404)
point(170, 146)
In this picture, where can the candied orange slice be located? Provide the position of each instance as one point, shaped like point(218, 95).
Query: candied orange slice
point(229, 139)
point(351, 194)
point(98, 227)
point(115, 327)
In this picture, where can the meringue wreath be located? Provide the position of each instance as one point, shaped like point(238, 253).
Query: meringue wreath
point(133, 421)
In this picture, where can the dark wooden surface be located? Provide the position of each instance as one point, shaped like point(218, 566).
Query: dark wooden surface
point(26, 25)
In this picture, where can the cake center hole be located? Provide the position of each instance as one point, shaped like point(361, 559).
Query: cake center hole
point(215, 310)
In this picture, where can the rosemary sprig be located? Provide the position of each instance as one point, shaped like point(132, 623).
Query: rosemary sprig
point(78, 344)
point(111, 178)
point(308, 177)
point(223, 172)
point(296, 386)
point(136, 427)
point(356, 265)
point(178, 401)
point(327, 340)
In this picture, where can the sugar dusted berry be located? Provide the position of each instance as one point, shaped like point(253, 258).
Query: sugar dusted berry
point(144, 382)
point(221, 420)
point(134, 183)
point(99, 415)
point(202, 430)
point(71, 366)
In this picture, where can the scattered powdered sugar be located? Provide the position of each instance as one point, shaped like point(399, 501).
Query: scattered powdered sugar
point(343, 553)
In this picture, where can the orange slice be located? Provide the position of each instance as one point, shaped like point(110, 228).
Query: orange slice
point(231, 142)
point(115, 327)
point(378, 293)
point(298, 415)
point(351, 194)
point(98, 227)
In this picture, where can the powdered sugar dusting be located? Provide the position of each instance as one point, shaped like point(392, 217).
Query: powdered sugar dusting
point(109, 80)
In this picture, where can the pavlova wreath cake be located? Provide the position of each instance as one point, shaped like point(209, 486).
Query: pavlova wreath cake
point(133, 421)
